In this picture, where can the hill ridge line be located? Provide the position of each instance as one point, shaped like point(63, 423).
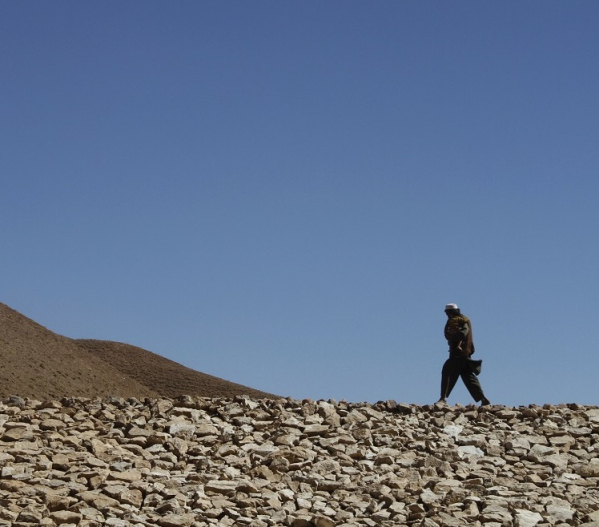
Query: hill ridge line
point(39, 363)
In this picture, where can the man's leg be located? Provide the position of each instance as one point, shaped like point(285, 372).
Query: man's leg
point(449, 376)
point(473, 385)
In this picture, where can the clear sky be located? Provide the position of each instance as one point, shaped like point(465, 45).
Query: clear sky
point(286, 194)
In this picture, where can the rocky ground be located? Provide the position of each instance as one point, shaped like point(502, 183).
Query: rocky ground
point(193, 461)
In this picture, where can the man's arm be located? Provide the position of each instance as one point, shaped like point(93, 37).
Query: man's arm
point(462, 335)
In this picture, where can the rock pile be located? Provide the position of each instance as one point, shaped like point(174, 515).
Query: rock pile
point(246, 462)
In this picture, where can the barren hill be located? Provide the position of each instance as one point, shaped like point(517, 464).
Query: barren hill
point(41, 364)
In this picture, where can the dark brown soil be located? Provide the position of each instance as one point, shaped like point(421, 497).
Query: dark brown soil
point(39, 364)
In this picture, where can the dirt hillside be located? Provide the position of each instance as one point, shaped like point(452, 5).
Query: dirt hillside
point(40, 364)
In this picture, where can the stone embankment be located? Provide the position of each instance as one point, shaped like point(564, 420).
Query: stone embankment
point(244, 462)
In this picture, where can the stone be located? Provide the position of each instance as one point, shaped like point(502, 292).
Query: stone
point(590, 470)
point(525, 518)
point(322, 521)
point(182, 429)
point(453, 430)
point(560, 512)
point(539, 453)
point(428, 497)
point(470, 451)
point(176, 520)
point(234, 462)
point(221, 486)
point(206, 429)
point(65, 517)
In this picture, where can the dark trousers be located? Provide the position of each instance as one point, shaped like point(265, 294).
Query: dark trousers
point(455, 367)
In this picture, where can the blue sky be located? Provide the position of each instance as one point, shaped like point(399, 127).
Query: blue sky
point(286, 194)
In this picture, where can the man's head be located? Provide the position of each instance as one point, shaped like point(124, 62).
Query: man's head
point(452, 309)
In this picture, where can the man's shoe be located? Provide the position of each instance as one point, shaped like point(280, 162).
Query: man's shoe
point(485, 402)
point(441, 401)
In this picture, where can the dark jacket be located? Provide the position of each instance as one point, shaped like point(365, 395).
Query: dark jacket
point(458, 332)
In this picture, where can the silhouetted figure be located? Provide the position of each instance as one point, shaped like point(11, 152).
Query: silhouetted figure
point(458, 332)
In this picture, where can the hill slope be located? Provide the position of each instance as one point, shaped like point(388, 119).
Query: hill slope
point(162, 375)
point(41, 364)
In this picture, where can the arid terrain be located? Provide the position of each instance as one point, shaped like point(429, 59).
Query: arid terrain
point(243, 462)
point(96, 433)
point(39, 364)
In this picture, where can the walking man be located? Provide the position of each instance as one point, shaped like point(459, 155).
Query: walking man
point(458, 332)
